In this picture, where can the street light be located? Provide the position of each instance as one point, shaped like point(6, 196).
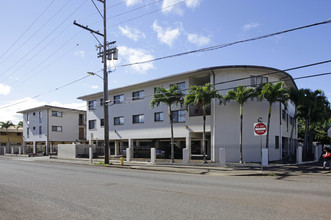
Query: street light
point(105, 109)
point(94, 74)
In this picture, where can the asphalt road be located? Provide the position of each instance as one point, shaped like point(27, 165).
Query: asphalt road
point(39, 190)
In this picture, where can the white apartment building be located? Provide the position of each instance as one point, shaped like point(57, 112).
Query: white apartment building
point(46, 126)
point(132, 122)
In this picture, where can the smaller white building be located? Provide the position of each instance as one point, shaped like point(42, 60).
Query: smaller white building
point(46, 126)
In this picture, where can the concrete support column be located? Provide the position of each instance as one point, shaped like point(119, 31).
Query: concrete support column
point(222, 156)
point(128, 154)
point(91, 154)
point(131, 146)
point(188, 144)
point(316, 154)
point(153, 156)
point(47, 147)
point(186, 156)
point(34, 147)
point(299, 155)
point(19, 150)
point(12, 150)
point(265, 157)
point(117, 146)
point(4, 150)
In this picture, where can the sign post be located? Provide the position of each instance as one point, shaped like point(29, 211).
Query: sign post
point(260, 129)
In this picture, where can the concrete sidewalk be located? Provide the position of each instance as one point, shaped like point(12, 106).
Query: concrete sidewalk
point(195, 167)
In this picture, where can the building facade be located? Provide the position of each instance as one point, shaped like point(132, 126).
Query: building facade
point(132, 122)
point(46, 126)
point(13, 137)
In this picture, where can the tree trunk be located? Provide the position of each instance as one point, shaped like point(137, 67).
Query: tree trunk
point(292, 129)
point(204, 134)
point(241, 134)
point(268, 125)
point(172, 135)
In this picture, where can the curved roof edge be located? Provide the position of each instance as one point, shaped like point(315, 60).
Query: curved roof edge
point(274, 71)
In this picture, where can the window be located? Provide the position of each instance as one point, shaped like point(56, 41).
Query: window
point(118, 99)
point(258, 80)
point(56, 114)
point(158, 116)
point(40, 116)
point(119, 120)
point(3, 133)
point(57, 128)
point(138, 95)
point(178, 116)
point(181, 86)
point(27, 132)
point(102, 122)
point(138, 119)
point(34, 114)
point(91, 124)
point(40, 130)
point(92, 105)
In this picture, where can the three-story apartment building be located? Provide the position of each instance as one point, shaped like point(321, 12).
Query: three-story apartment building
point(133, 122)
point(46, 126)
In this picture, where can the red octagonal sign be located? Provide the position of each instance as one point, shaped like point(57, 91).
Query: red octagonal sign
point(260, 129)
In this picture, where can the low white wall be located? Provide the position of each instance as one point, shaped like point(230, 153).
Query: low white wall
point(71, 151)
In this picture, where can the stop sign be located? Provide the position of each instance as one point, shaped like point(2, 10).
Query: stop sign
point(260, 129)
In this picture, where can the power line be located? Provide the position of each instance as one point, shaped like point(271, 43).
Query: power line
point(39, 43)
point(56, 89)
point(41, 27)
point(129, 100)
point(26, 30)
point(152, 12)
point(226, 44)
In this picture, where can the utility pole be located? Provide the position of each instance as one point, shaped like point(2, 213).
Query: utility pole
point(108, 52)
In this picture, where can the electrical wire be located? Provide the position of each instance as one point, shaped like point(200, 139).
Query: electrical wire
point(40, 28)
point(26, 30)
point(216, 47)
point(40, 42)
point(149, 13)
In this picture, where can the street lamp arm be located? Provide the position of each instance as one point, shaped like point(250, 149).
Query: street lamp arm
point(94, 74)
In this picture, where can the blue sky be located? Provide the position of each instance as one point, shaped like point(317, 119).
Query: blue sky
point(41, 50)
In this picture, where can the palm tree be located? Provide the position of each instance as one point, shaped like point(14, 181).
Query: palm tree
point(202, 95)
point(296, 97)
point(240, 94)
point(19, 125)
point(273, 93)
point(170, 96)
point(6, 125)
point(313, 109)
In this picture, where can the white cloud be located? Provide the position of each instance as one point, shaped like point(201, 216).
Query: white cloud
point(167, 36)
point(198, 40)
point(131, 33)
point(193, 3)
point(94, 87)
point(136, 55)
point(4, 89)
point(80, 53)
point(174, 6)
point(8, 111)
point(248, 27)
point(132, 2)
